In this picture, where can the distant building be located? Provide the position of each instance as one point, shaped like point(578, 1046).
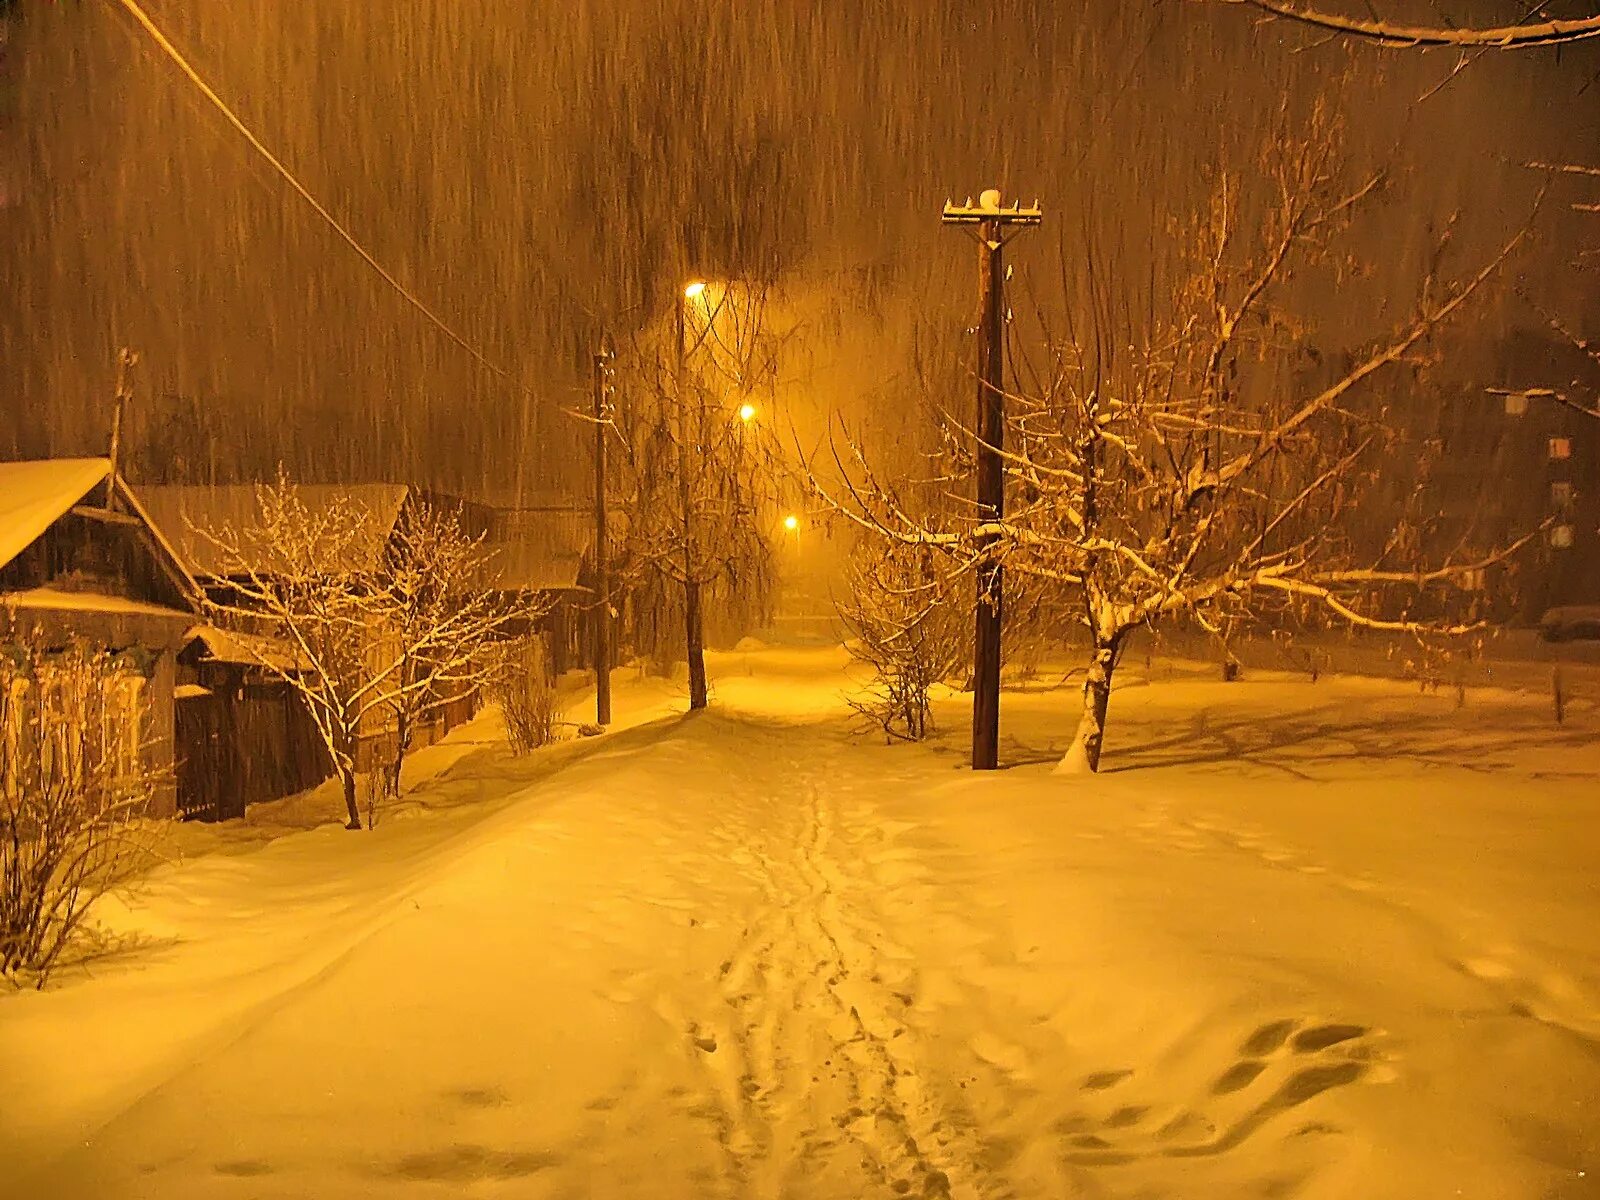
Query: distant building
point(1551, 452)
point(1499, 460)
point(1514, 460)
point(547, 551)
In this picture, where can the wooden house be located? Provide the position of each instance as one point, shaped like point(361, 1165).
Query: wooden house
point(81, 559)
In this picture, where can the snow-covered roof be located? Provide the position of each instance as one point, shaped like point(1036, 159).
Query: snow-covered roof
point(57, 600)
point(538, 549)
point(34, 495)
point(175, 509)
point(243, 649)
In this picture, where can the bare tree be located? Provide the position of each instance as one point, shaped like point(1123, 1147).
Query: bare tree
point(76, 784)
point(364, 625)
point(908, 628)
point(1520, 36)
point(697, 471)
point(1573, 395)
point(523, 687)
point(438, 617)
point(1165, 463)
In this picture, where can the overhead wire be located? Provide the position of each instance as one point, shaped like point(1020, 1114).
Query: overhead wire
point(167, 47)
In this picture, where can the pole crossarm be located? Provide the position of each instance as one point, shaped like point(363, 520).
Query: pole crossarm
point(975, 214)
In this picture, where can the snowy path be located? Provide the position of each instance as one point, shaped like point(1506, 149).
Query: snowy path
point(749, 955)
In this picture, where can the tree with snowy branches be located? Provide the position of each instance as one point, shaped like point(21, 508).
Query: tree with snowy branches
point(1373, 27)
point(905, 625)
point(1163, 461)
point(371, 627)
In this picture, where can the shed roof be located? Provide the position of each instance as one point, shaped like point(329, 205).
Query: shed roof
point(177, 509)
point(109, 620)
point(34, 495)
point(538, 549)
point(238, 648)
point(60, 600)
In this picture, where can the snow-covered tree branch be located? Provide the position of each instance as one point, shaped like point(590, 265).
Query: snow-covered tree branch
point(1166, 461)
point(372, 627)
point(1523, 35)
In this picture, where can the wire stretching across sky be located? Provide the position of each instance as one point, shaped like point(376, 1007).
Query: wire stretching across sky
point(172, 52)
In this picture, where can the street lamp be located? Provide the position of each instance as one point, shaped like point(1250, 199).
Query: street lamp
point(693, 629)
point(747, 412)
point(791, 522)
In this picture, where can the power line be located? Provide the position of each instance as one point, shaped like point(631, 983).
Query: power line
point(260, 148)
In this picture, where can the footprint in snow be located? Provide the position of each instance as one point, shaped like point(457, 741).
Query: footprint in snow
point(1281, 1065)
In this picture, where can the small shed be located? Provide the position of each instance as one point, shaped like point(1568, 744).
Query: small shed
point(246, 734)
point(546, 552)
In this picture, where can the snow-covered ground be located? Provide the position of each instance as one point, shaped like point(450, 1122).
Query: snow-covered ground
point(1337, 939)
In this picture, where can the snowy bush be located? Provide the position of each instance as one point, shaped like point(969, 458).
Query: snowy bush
point(526, 693)
point(903, 626)
point(75, 785)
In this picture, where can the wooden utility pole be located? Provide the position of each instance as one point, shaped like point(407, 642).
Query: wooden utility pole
point(126, 360)
point(694, 634)
point(602, 564)
point(990, 218)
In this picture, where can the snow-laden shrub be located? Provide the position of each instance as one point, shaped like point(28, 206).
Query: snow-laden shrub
point(525, 690)
point(903, 625)
point(76, 788)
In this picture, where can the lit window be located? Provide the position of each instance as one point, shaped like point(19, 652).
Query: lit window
point(1561, 494)
point(1561, 537)
point(1560, 448)
point(1516, 404)
point(1472, 580)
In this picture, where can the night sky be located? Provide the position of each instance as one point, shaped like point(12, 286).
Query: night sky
point(534, 173)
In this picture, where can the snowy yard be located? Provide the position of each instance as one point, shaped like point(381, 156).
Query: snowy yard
point(1315, 940)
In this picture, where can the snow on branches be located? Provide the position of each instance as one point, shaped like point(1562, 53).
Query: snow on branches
point(1523, 35)
point(373, 627)
point(1165, 460)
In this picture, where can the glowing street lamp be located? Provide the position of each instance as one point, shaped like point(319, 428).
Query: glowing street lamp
point(694, 289)
point(791, 522)
point(747, 412)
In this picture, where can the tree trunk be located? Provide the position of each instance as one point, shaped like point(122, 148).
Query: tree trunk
point(1084, 753)
point(347, 776)
point(402, 743)
point(695, 639)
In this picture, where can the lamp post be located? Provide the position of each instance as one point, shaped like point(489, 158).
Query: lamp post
point(602, 610)
point(694, 635)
